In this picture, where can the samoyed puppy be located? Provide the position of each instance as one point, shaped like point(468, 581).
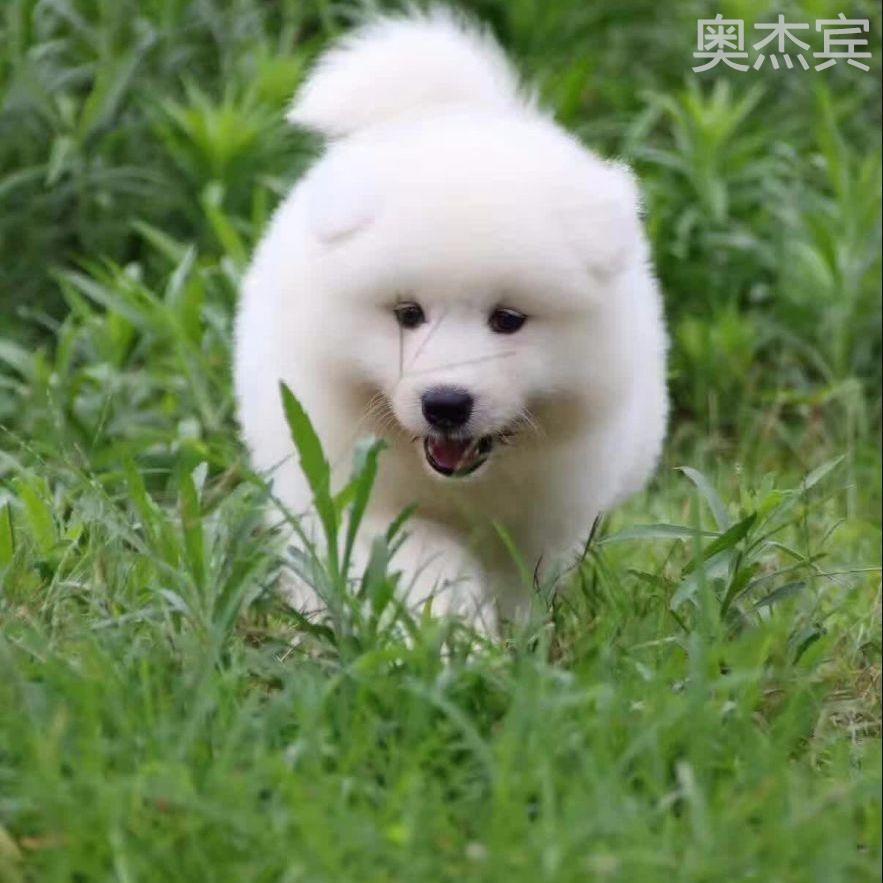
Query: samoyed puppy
point(460, 276)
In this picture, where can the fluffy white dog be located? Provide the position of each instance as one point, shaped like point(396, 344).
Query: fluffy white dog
point(462, 277)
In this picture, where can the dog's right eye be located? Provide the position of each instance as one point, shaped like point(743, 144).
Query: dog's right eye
point(409, 315)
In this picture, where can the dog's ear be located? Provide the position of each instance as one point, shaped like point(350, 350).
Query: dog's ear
point(602, 219)
point(341, 200)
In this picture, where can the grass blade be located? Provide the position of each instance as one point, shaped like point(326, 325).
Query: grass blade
point(710, 495)
point(315, 468)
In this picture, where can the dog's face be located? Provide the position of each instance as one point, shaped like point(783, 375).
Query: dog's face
point(470, 372)
point(466, 303)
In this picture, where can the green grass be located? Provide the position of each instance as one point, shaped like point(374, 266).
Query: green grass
point(702, 705)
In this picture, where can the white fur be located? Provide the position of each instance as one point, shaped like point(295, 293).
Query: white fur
point(393, 67)
point(447, 189)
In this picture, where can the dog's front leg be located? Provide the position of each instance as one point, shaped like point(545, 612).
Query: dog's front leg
point(436, 569)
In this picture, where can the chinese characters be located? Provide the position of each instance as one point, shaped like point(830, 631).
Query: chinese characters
point(721, 40)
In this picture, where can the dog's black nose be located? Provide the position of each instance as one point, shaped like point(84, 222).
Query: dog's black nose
point(446, 407)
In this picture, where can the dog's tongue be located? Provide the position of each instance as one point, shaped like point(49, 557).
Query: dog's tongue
point(451, 453)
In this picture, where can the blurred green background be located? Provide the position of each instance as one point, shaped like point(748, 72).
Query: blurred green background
point(762, 188)
point(697, 712)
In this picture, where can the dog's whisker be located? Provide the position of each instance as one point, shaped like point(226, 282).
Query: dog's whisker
point(528, 419)
point(377, 403)
point(384, 418)
point(462, 364)
point(427, 337)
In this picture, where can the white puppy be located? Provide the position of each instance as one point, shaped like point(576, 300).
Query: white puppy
point(462, 277)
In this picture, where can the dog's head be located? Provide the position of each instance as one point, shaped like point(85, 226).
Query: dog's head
point(470, 275)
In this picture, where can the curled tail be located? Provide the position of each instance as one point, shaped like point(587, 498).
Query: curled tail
point(396, 66)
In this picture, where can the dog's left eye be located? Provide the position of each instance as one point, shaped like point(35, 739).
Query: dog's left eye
point(506, 321)
point(409, 315)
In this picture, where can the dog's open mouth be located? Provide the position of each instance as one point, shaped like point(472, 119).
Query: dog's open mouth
point(456, 457)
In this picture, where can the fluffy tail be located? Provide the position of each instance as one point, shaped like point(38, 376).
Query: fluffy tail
point(395, 66)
